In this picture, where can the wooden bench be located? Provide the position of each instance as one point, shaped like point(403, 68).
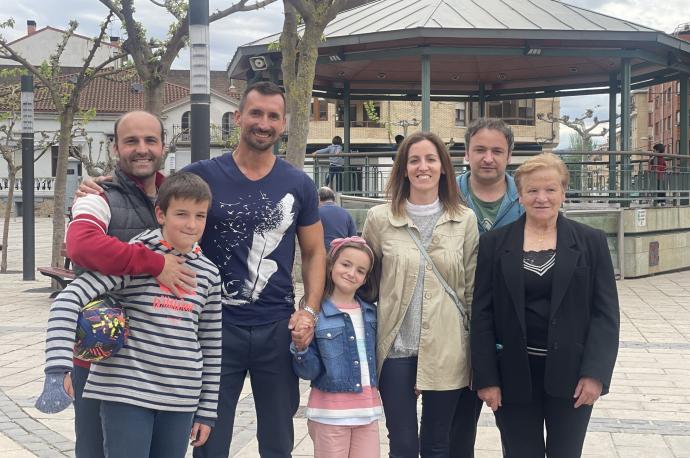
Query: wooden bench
point(62, 275)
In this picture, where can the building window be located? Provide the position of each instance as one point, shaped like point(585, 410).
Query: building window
point(460, 114)
point(318, 109)
point(649, 120)
point(227, 125)
point(656, 129)
point(678, 118)
point(358, 115)
point(668, 95)
point(513, 112)
point(54, 158)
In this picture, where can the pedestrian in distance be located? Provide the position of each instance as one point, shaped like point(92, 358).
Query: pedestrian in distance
point(337, 222)
point(344, 404)
point(336, 164)
point(161, 387)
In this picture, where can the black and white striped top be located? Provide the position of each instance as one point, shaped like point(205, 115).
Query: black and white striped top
point(172, 357)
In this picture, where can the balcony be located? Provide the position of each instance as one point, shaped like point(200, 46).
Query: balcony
point(219, 136)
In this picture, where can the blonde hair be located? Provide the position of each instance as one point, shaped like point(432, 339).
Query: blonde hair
point(543, 161)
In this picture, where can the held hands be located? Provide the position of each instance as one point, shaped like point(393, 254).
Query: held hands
point(302, 326)
point(199, 434)
point(587, 391)
point(491, 396)
point(176, 276)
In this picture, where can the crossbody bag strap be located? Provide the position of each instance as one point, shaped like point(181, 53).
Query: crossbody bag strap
point(454, 297)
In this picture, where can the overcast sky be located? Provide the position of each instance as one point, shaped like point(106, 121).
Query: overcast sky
point(241, 28)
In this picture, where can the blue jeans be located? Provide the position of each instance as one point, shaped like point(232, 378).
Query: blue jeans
point(264, 352)
point(130, 431)
point(87, 419)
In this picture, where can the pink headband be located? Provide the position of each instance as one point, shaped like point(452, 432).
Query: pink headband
point(337, 243)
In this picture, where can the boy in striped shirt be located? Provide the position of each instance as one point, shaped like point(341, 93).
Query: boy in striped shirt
point(164, 382)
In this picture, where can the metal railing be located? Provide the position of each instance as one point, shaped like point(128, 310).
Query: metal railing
point(626, 178)
point(43, 186)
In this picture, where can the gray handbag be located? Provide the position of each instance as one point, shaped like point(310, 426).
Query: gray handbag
point(465, 317)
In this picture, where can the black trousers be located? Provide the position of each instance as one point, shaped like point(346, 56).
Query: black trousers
point(463, 430)
point(264, 352)
point(396, 385)
point(522, 424)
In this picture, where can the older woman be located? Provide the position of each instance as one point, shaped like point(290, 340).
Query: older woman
point(545, 319)
point(427, 242)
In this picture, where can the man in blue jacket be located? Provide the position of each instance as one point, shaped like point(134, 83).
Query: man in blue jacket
point(491, 193)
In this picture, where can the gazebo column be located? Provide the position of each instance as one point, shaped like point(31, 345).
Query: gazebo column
point(345, 179)
point(613, 107)
point(625, 128)
point(684, 150)
point(482, 100)
point(426, 92)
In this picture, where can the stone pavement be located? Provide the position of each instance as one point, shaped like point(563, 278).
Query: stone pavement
point(647, 413)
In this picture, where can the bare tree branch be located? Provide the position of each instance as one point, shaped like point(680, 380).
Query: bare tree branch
point(237, 7)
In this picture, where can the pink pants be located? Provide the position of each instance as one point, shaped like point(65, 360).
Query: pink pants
point(340, 441)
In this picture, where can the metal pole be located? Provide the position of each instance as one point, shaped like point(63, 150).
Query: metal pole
point(684, 151)
point(426, 93)
point(482, 100)
point(613, 91)
point(625, 125)
point(345, 179)
point(28, 234)
point(200, 80)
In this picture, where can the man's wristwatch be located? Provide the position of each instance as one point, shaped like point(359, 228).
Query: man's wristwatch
point(311, 312)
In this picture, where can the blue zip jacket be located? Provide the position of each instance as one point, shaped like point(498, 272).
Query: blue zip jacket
point(331, 361)
point(510, 208)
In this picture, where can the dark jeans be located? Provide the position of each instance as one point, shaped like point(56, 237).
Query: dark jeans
point(87, 419)
point(463, 431)
point(522, 424)
point(335, 177)
point(396, 385)
point(264, 352)
point(136, 432)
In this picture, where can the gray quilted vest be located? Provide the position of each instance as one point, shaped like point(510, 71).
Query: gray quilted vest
point(131, 210)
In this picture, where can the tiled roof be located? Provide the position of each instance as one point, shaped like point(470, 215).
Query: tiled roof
point(122, 92)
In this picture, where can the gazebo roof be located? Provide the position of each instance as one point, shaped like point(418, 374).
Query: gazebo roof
point(504, 46)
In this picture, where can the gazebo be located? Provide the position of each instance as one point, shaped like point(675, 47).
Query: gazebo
point(494, 50)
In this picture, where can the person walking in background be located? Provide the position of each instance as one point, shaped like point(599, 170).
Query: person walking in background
point(545, 319)
point(657, 167)
point(336, 164)
point(344, 404)
point(426, 241)
point(337, 222)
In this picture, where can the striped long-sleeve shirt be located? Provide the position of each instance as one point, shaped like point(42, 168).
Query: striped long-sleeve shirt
point(171, 360)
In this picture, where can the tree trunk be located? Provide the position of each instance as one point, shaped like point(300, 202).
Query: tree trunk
point(66, 124)
point(12, 172)
point(154, 96)
point(299, 93)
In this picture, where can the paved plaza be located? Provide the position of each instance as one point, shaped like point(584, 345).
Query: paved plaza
point(647, 413)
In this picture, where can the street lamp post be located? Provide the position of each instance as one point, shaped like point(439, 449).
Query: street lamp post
point(200, 80)
point(28, 232)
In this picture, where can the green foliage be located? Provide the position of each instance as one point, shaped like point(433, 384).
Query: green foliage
point(274, 46)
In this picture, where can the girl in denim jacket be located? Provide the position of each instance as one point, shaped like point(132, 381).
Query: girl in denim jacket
point(344, 404)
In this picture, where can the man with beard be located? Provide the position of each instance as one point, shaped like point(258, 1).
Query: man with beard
point(97, 239)
point(260, 203)
point(491, 193)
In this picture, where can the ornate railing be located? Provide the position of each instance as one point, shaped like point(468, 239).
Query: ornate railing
point(43, 186)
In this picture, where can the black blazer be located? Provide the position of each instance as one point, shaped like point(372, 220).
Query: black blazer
point(584, 319)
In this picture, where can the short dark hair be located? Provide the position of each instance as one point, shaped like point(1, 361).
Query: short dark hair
point(263, 88)
point(659, 148)
point(117, 123)
point(326, 194)
point(337, 140)
point(183, 185)
point(490, 124)
point(399, 138)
